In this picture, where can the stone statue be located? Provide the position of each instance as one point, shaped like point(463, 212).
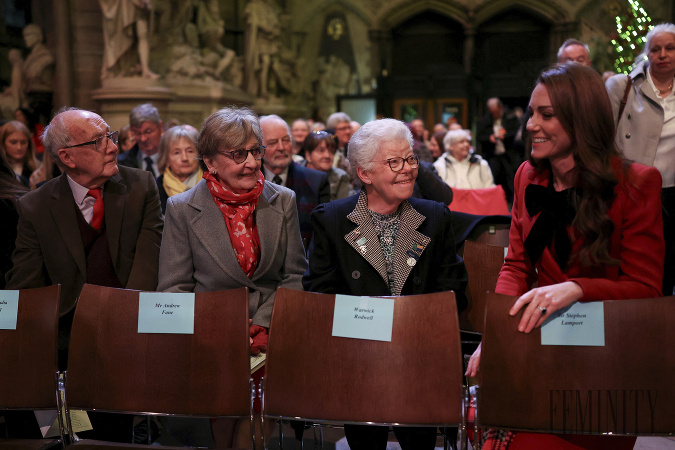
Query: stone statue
point(124, 20)
point(334, 79)
point(38, 68)
point(211, 29)
point(262, 44)
point(12, 97)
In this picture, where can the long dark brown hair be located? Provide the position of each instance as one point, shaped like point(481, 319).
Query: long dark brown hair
point(582, 106)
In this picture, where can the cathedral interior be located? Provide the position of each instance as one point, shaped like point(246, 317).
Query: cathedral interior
point(432, 59)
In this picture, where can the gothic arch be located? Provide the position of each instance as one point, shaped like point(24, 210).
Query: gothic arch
point(397, 12)
point(321, 9)
point(549, 10)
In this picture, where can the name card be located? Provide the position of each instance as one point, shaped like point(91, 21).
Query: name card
point(164, 312)
point(363, 317)
point(578, 324)
point(9, 307)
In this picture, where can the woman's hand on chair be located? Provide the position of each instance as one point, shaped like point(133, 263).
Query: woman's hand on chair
point(541, 302)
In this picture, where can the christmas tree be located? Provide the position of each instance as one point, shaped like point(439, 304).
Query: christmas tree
point(631, 31)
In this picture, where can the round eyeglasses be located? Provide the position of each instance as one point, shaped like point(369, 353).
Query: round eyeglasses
point(103, 140)
point(396, 164)
point(239, 156)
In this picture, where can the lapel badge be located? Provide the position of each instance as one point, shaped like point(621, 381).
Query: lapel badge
point(411, 262)
point(361, 241)
point(419, 247)
point(363, 249)
point(412, 254)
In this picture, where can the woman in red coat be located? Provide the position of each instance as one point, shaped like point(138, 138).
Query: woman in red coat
point(586, 223)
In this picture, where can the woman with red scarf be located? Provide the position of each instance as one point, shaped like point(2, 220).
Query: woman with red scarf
point(233, 229)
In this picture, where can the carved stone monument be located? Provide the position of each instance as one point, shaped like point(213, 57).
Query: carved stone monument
point(38, 73)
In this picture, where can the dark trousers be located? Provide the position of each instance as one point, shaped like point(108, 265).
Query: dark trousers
point(668, 201)
point(370, 437)
point(503, 168)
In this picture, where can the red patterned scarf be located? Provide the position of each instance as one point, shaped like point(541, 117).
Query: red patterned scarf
point(238, 210)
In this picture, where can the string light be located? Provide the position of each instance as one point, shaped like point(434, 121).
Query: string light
point(631, 28)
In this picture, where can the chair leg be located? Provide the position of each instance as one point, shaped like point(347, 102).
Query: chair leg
point(450, 438)
point(281, 434)
point(466, 403)
point(476, 438)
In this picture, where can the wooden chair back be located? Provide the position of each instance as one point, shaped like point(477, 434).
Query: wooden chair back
point(625, 387)
point(28, 355)
point(112, 367)
point(414, 379)
point(483, 263)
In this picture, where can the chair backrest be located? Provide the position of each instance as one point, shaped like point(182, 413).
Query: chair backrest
point(112, 367)
point(28, 355)
point(414, 379)
point(483, 263)
point(484, 201)
point(625, 387)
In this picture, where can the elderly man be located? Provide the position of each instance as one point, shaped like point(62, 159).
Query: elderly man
point(97, 223)
point(340, 124)
point(574, 50)
point(310, 186)
point(146, 128)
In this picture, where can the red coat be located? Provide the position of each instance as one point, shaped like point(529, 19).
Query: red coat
point(637, 241)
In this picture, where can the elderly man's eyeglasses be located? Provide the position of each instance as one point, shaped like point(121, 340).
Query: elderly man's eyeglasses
point(100, 143)
point(239, 156)
point(396, 164)
point(138, 135)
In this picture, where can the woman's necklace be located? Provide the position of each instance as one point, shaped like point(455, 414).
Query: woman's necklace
point(663, 91)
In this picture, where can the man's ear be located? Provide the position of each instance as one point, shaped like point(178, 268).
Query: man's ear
point(66, 158)
point(363, 175)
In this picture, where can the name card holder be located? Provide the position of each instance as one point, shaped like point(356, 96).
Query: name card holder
point(369, 318)
point(579, 324)
point(9, 308)
point(165, 312)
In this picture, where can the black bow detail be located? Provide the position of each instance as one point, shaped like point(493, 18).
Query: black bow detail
point(551, 225)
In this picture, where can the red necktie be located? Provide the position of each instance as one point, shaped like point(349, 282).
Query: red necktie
point(97, 217)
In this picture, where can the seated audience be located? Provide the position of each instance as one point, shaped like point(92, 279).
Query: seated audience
point(340, 124)
point(146, 129)
point(233, 229)
point(435, 146)
point(178, 162)
point(459, 167)
point(16, 146)
point(27, 117)
point(97, 223)
point(299, 131)
point(319, 149)
point(586, 223)
point(440, 127)
point(342, 261)
point(310, 186)
point(10, 191)
point(126, 141)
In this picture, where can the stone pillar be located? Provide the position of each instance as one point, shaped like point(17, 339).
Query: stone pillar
point(380, 54)
point(469, 43)
point(63, 86)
